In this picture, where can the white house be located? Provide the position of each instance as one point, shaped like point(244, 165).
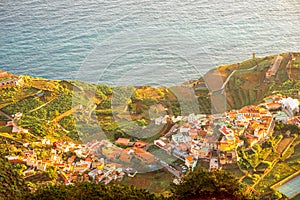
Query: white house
point(213, 164)
point(158, 121)
point(292, 105)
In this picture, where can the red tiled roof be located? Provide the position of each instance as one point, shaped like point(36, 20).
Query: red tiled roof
point(190, 158)
point(123, 141)
point(140, 144)
point(143, 154)
point(202, 132)
point(273, 105)
point(225, 130)
point(88, 159)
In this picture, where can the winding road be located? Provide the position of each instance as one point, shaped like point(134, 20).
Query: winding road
point(232, 73)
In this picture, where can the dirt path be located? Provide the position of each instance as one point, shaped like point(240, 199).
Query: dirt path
point(42, 105)
point(67, 113)
point(14, 102)
point(5, 115)
point(233, 72)
point(8, 136)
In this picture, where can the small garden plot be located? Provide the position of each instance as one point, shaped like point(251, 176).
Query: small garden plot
point(294, 160)
point(284, 143)
point(279, 172)
point(23, 106)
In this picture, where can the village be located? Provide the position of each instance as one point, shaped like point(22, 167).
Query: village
point(192, 139)
point(215, 139)
point(247, 142)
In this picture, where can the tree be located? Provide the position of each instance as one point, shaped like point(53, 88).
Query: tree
point(20, 168)
point(12, 185)
point(201, 184)
point(90, 191)
point(56, 113)
point(104, 89)
point(257, 148)
point(52, 173)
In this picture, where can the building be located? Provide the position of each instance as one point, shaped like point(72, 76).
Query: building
point(179, 154)
point(213, 164)
point(226, 131)
point(202, 151)
point(140, 144)
point(71, 159)
point(273, 106)
point(160, 143)
point(190, 162)
point(4, 74)
point(227, 143)
point(291, 105)
point(143, 155)
point(126, 155)
point(41, 165)
point(9, 80)
point(123, 141)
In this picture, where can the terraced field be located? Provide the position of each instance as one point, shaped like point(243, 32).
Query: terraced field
point(250, 87)
point(284, 143)
point(294, 160)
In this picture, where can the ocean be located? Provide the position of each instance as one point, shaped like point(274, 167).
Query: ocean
point(146, 42)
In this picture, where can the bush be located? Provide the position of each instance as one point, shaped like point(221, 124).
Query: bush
point(12, 185)
point(90, 191)
point(201, 184)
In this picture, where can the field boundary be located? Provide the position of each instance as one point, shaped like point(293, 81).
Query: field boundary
point(285, 180)
point(289, 146)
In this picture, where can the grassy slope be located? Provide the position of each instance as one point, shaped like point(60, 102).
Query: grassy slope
point(114, 109)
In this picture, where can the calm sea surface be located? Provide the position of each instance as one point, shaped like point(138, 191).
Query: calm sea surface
point(141, 42)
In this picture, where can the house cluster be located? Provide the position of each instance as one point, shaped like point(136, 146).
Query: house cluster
point(281, 103)
point(9, 80)
point(134, 149)
point(195, 139)
point(83, 164)
point(216, 138)
point(13, 123)
point(255, 123)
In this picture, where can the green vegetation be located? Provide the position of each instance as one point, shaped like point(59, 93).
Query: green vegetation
point(289, 87)
point(73, 110)
point(294, 160)
point(23, 106)
point(251, 159)
point(156, 181)
point(209, 185)
point(278, 172)
point(13, 95)
point(251, 86)
point(219, 184)
point(90, 191)
point(12, 185)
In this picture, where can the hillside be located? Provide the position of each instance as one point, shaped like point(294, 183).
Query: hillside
point(250, 81)
point(65, 103)
point(36, 114)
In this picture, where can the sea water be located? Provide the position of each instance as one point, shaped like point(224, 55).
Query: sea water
point(146, 42)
